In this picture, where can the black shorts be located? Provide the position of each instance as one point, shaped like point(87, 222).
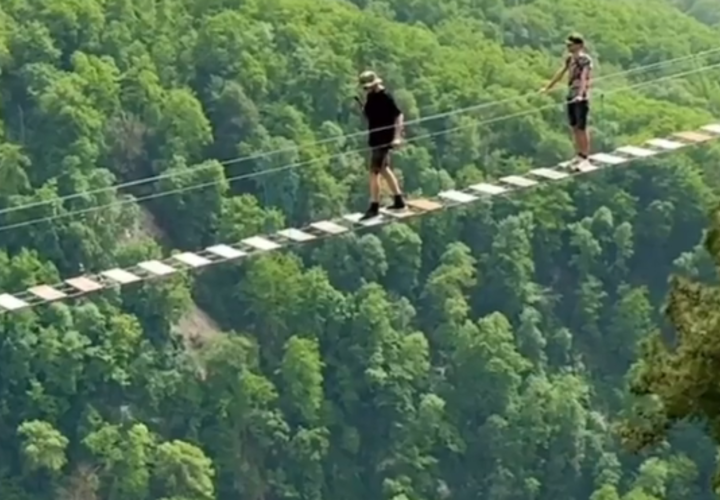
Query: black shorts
point(379, 158)
point(577, 112)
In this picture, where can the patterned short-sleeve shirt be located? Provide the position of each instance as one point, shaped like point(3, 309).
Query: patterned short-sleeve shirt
point(576, 65)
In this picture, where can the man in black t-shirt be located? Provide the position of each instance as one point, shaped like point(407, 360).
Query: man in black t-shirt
point(385, 123)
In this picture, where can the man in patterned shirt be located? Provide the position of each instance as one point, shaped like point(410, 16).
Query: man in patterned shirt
point(578, 65)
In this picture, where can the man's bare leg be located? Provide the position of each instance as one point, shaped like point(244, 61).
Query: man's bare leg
point(391, 180)
point(374, 184)
point(583, 138)
point(582, 149)
point(577, 141)
point(380, 166)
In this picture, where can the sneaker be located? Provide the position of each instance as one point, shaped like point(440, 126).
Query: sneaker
point(398, 204)
point(583, 165)
point(577, 164)
point(371, 212)
point(572, 164)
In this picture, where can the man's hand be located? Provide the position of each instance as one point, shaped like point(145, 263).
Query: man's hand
point(397, 142)
point(360, 103)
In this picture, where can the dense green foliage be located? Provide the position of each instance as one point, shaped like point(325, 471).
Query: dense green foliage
point(677, 375)
point(704, 11)
point(471, 355)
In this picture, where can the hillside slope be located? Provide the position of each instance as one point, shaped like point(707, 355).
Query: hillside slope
point(195, 326)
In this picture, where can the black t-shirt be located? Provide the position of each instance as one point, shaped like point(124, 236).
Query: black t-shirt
point(381, 112)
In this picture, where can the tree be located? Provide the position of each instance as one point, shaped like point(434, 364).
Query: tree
point(44, 447)
point(677, 380)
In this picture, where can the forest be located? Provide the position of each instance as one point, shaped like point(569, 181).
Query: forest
point(562, 344)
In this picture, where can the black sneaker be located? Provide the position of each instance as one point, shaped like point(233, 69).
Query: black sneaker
point(371, 212)
point(398, 204)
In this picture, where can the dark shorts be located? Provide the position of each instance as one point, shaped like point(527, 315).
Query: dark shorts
point(578, 114)
point(379, 158)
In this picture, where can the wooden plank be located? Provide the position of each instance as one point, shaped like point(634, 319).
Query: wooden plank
point(457, 196)
point(356, 217)
point(226, 252)
point(47, 292)
point(637, 152)
point(608, 159)
point(84, 284)
point(693, 137)
point(488, 189)
point(260, 243)
point(329, 227)
point(156, 267)
point(518, 180)
point(665, 144)
point(712, 128)
point(296, 235)
point(397, 214)
point(11, 303)
point(120, 276)
point(191, 259)
point(424, 204)
point(549, 173)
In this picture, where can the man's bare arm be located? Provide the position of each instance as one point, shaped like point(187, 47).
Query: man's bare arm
point(399, 125)
point(560, 73)
point(360, 104)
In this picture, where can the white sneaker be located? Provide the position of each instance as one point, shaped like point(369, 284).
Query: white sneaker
point(573, 164)
point(583, 165)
